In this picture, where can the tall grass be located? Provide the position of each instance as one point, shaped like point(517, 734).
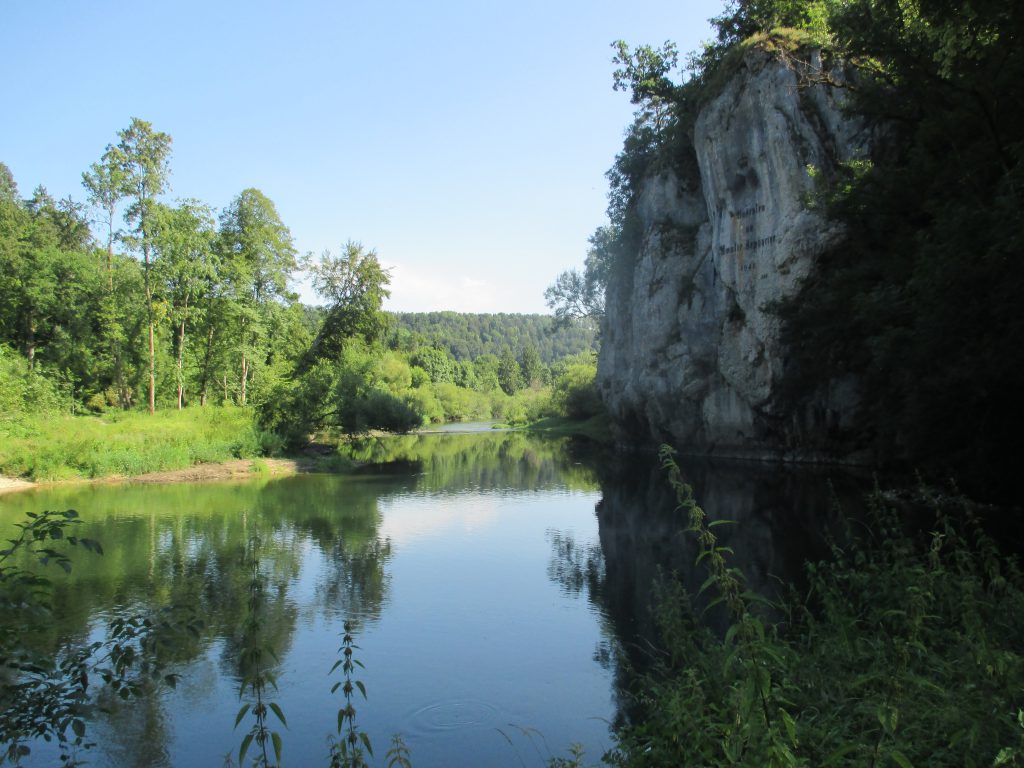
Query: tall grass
point(64, 447)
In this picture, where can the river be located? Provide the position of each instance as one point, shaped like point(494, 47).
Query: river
point(496, 584)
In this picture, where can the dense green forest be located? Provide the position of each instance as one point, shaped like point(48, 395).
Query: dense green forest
point(468, 336)
point(921, 300)
point(128, 302)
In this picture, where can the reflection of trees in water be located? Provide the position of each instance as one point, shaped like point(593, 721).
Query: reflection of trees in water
point(579, 571)
point(484, 461)
point(355, 584)
point(127, 725)
point(575, 567)
point(191, 555)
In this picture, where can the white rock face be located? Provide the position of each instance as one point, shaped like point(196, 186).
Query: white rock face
point(691, 353)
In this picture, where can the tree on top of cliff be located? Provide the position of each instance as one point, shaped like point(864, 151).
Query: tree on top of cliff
point(921, 302)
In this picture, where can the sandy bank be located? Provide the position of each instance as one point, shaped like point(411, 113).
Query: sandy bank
point(239, 469)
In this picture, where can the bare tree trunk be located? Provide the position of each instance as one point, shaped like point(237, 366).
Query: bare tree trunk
point(110, 249)
point(149, 311)
point(181, 353)
point(30, 340)
point(205, 377)
point(245, 375)
point(152, 366)
point(181, 360)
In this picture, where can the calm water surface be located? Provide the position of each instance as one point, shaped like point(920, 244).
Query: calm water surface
point(443, 558)
point(496, 581)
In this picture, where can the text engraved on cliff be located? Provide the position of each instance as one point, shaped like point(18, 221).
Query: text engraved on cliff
point(746, 217)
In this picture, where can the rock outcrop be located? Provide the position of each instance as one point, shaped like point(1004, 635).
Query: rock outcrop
point(691, 352)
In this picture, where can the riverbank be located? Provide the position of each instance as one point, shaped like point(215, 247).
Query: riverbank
point(236, 469)
point(55, 448)
point(195, 445)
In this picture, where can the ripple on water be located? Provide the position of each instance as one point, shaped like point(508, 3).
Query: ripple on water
point(453, 715)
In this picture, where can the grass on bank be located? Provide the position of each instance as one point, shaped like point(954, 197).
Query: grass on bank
point(129, 443)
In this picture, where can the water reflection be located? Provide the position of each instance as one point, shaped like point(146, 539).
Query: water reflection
point(781, 516)
point(462, 510)
point(494, 579)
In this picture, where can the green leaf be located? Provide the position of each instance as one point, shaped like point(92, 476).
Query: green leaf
point(361, 687)
point(366, 742)
point(280, 715)
point(241, 714)
point(244, 748)
point(276, 738)
point(707, 583)
point(900, 759)
point(790, 725)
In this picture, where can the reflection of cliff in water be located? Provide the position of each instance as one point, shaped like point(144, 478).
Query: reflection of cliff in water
point(782, 517)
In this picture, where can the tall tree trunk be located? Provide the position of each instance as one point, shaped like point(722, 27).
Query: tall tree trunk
point(245, 375)
point(110, 249)
point(181, 354)
point(181, 357)
point(205, 376)
point(149, 311)
point(30, 340)
point(152, 364)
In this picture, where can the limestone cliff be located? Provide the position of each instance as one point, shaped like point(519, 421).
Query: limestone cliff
point(691, 353)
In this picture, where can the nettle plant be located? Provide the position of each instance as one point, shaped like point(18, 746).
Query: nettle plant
point(45, 695)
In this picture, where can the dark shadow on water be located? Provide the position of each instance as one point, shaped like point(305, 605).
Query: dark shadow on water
point(783, 517)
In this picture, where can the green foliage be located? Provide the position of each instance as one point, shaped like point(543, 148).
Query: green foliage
point(350, 750)
point(510, 375)
point(574, 393)
point(469, 337)
point(439, 365)
point(355, 286)
point(927, 278)
point(905, 651)
point(62, 447)
point(256, 658)
point(48, 696)
point(24, 392)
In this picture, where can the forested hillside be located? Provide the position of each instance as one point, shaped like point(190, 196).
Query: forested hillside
point(467, 336)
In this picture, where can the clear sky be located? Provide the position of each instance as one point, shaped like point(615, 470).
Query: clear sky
point(465, 141)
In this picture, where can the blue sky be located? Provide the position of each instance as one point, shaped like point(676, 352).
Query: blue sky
point(465, 141)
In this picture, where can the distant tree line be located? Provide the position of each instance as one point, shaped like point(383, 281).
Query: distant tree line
point(467, 336)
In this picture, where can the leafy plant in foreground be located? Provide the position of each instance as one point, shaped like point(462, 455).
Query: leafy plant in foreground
point(905, 651)
point(258, 676)
point(347, 752)
point(46, 695)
